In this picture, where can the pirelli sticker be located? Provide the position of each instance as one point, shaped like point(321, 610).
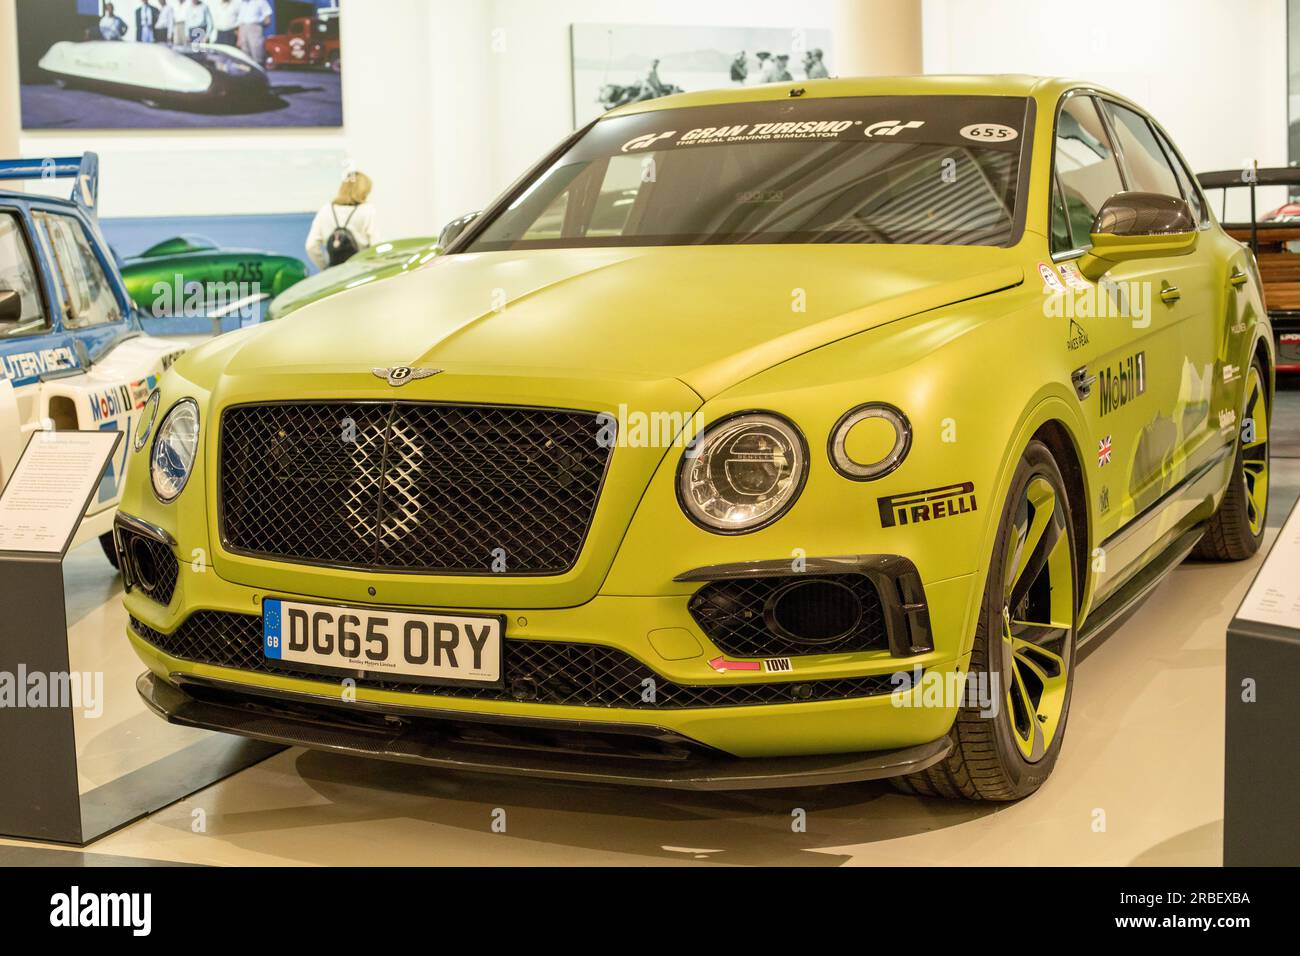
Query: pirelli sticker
point(931, 504)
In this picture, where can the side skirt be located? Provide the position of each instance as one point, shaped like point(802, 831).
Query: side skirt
point(1112, 612)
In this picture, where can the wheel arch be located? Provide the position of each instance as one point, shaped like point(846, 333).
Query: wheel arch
point(1060, 442)
point(1264, 352)
point(1054, 420)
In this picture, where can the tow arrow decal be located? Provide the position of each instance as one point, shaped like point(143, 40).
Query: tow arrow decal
point(722, 665)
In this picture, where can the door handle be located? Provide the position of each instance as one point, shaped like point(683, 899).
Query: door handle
point(1169, 294)
point(1083, 382)
point(1238, 278)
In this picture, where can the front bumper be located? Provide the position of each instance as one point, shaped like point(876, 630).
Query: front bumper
point(575, 751)
point(197, 626)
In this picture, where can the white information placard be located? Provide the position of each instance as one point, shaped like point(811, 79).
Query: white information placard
point(1274, 598)
point(51, 487)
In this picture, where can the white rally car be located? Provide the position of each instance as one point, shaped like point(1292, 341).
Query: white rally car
point(72, 351)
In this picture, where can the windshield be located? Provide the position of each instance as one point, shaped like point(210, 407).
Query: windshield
point(940, 170)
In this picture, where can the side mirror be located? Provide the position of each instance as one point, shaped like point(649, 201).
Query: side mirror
point(1138, 226)
point(451, 232)
point(11, 306)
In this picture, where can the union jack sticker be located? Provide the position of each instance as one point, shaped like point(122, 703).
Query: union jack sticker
point(1103, 451)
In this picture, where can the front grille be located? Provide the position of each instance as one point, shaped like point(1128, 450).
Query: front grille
point(411, 486)
point(544, 672)
point(742, 616)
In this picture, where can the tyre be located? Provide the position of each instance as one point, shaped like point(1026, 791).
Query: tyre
point(1237, 529)
point(110, 552)
point(1024, 648)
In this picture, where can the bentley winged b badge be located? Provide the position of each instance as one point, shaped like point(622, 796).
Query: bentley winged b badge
point(401, 374)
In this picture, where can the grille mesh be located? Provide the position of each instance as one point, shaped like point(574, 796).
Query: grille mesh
point(732, 614)
point(408, 486)
point(547, 672)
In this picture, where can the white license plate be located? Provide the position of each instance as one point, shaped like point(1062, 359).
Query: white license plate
point(433, 648)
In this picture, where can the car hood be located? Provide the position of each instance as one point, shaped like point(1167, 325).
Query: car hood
point(709, 316)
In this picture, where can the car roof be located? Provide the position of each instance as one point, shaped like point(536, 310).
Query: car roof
point(1045, 89)
point(16, 195)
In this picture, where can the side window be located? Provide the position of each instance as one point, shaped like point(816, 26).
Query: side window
point(18, 274)
point(84, 290)
point(1190, 191)
point(1144, 159)
point(1086, 171)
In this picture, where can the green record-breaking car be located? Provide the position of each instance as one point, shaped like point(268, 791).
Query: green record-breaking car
point(817, 453)
point(193, 274)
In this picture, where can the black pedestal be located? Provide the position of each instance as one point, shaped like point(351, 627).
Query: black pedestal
point(1261, 800)
point(39, 794)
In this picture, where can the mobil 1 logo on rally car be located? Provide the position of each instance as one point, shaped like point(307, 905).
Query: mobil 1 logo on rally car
point(422, 647)
point(1121, 383)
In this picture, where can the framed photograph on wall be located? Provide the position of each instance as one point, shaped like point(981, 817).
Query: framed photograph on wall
point(179, 64)
point(615, 64)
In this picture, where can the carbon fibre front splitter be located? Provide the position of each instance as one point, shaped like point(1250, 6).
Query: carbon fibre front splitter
point(427, 741)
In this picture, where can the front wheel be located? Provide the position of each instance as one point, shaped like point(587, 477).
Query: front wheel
point(1024, 648)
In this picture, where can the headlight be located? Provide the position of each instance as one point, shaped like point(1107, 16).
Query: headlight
point(148, 415)
point(743, 473)
point(869, 441)
point(174, 449)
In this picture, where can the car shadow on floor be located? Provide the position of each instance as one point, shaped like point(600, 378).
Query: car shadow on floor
point(739, 827)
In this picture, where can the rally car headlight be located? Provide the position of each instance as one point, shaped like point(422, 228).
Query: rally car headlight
point(174, 449)
point(148, 415)
point(869, 441)
point(742, 473)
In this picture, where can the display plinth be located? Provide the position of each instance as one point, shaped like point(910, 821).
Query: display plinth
point(1261, 801)
point(41, 797)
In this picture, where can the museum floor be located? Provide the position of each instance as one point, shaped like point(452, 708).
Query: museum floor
point(1140, 780)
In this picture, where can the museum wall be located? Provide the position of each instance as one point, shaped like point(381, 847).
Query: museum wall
point(387, 99)
point(445, 102)
point(1212, 71)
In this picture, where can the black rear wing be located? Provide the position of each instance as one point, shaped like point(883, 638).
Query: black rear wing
point(1251, 178)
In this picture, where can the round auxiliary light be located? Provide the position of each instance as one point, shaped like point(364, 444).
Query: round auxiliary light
point(744, 472)
point(148, 415)
point(869, 441)
point(174, 450)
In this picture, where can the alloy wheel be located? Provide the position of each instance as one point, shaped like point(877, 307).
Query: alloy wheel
point(1037, 619)
point(1254, 451)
